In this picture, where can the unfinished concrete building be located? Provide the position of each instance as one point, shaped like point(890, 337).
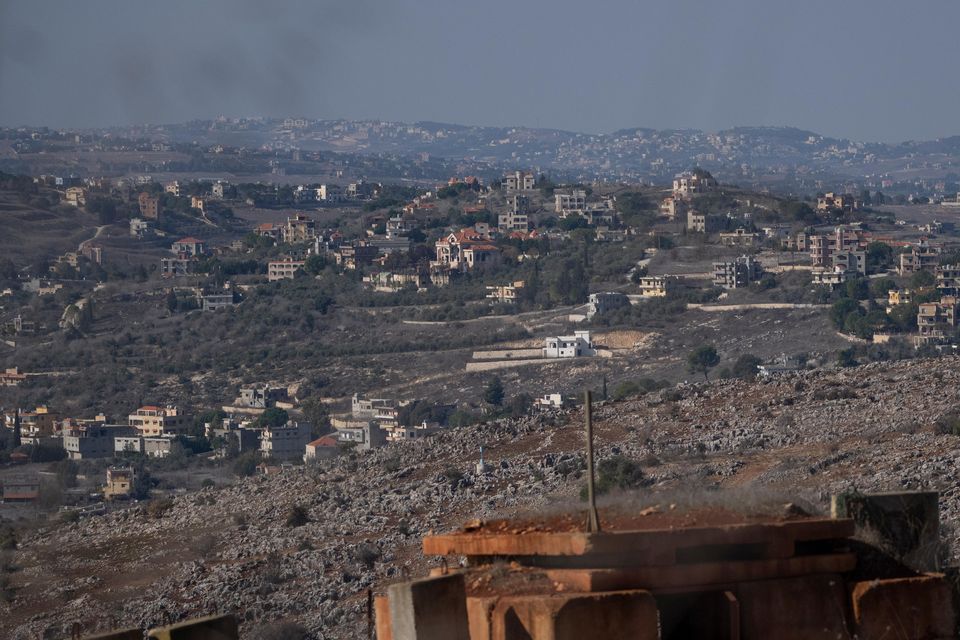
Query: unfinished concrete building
point(737, 273)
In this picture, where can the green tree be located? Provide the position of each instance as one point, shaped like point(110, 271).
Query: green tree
point(493, 393)
point(314, 265)
point(841, 309)
point(746, 366)
point(922, 279)
point(273, 417)
point(702, 359)
point(879, 257)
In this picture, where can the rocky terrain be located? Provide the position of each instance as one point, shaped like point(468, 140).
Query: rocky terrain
point(248, 549)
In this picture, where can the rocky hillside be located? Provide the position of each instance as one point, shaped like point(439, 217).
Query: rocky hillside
point(248, 548)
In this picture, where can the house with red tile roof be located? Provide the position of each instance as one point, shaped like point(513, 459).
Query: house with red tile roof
point(466, 250)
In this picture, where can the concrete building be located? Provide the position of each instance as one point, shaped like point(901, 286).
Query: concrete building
point(658, 286)
point(217, 190)
point(505, 293)
point(836, 202)
point(139, 228)
point(519, 181)
point(176, 267)
point(149, 206)
point(261, 396)
point(574, 200)
point(516, 218)
point(189, 247)
point(920, 257)
point(673, 208)
point(283, 269)
point(703, 222)
point(368, 435)
point(466, 250)
point(151, 420)
point(937, 321)
point(897, 297)
point(356, 255)
point(330, 193)
point(119, 482)
point(948, 279)
point(605, 302)
point(286, 442)
point(322, 448)
point(217, 301)
point(298, 228)
point(75, 196)
point(737, 273)
point(577, 345)
point(739, 238)
point(173, 188)
point(88, 440)
point(691, 182)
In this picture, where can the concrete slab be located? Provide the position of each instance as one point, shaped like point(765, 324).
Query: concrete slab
point(429, 609)
point(920, 607)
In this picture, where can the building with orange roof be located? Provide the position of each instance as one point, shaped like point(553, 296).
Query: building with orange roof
point(466, 250)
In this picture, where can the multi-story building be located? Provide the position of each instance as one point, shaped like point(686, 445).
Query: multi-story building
point(173, 188)
point(673, 208)
point(948, 279)
point(737, 273)
point(658, 286)
point(937, 321)
point(356, 255)
point(119, 482)
point(516, 218)
point(519, 181)
point(217, 190)
point(920, 257)
point(505, 293)
point(286, 442)
point(149, 206)
point(739, 238)
point(836, 202)
point(151, 420)
point(92, 439)
point(565, 203)
point(298, 228)
point(704, 222)
point(283, 269)
point(466, 250)
point(696, 181)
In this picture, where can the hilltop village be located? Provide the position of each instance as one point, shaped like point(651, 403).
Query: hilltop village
point(162, 338)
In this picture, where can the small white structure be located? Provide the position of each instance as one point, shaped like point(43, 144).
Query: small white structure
point(574, 346)
point(550, 401)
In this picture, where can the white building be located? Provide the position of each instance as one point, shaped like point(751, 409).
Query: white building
point(576, 200)
point(519, 181)
point(330, 193)
point(577, 345)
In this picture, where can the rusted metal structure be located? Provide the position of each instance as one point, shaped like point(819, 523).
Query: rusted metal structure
point(711, 574)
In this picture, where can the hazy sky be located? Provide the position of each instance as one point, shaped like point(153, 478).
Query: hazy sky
point(864, 69)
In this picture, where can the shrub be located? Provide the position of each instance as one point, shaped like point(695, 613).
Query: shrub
point(948, 424)
point(618, 472)
point(158, 507)
point(298, 516)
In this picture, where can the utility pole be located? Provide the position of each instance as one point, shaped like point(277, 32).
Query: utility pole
point(593, 519)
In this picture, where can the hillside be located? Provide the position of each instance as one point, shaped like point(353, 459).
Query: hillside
point(794, 439)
